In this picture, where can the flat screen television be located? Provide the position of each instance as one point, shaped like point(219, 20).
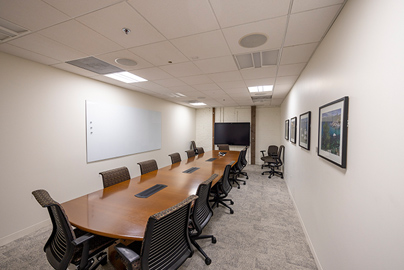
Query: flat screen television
point(232, 133)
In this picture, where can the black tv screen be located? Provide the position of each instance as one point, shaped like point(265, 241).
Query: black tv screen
point(232, 133)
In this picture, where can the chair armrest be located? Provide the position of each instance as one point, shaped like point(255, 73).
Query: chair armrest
point(263, 152)
point(82, 239)
point(127, 254)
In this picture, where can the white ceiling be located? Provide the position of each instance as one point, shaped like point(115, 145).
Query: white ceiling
point(199, 38)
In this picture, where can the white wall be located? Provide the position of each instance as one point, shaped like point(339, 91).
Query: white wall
point(354, 217)
point(43, 138)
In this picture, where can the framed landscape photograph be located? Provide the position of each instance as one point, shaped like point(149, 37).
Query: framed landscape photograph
point(333, 130)
point(304, 130)
point(293, 129)
point(287, 129)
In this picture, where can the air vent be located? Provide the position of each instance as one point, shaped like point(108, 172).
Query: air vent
point(10, 31)
point(95, 65)
point(257, 59)
point(261, 98)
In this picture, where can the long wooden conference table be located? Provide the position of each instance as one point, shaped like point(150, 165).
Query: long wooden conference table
point(116, 212)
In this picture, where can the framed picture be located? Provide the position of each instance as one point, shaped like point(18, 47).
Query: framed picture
point(304, 130)
point(287, 129)
point(293, 129)
point(333, 130)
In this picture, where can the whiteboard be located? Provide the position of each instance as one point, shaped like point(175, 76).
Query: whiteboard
point(115, 131)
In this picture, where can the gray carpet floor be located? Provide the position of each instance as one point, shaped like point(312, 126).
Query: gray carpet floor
point(263, 233)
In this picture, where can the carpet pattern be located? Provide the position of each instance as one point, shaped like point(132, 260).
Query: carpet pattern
point(263, 233)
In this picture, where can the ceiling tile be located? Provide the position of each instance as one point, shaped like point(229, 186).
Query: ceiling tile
point(152, 86)
point(153, 73)
point(170, 82)
point(218, 64)
point(286, 80)
point(232, 85)
point(75, 8)
point(207, 87)
point(257, 82)
point(80, 37)
point(289, 70)
point(258, 73)
point(182, 69)
point(110, 21)
point(21, 12)
point(160, 53)
point(17, 51)
point(230, 12)
point(177, 18)
point(274, 29)
point(276, 101)
point(299, 6)
point(202, 46)
point(181, 89)
point(226, 76)
point(297, 54)
point(111, 57)
point(47, 47)
point(310, 26)
point(197, 79)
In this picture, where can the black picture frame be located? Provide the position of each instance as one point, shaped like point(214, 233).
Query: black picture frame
point(293, 128)
point(287, 130)
point(304, 130)
point(333, 131)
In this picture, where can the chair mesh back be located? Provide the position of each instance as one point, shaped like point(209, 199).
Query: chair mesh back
point(272, 150)
point(115, 176)
point(193, 145)
point(59, 249)
point(280, 156)
point(226, 186)
point(148, 166)
point(166, 244)
point(190, 153)
point(244, 161)
point(202, 212)
point(200, 150)
point(175, 157)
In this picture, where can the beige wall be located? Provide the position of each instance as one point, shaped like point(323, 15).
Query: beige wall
point(43, 138)
point(354, 217)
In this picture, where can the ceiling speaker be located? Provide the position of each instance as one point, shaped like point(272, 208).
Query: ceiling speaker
point(253, 40)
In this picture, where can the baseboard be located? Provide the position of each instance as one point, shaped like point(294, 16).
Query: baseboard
point(14, 236)
point(305, 231)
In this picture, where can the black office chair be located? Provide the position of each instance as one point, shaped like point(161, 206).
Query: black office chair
point(148, 166)
point(272, 153)
point(237, 169)
point(201, 213)
point(166, 243)
point(223, 147)
point(115, 176)
point(175, 157)
point(199, 150)
point(66, 245)
point(193, 147)
point(277, 163)
point(190, 153)
point(222, 189)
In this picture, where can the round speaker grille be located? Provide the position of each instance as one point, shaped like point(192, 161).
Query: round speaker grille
point(125, 62)
point(253, 40)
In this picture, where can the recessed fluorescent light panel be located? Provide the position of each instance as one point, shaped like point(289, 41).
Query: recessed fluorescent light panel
point(126, 77)
point(197, 103)
point(261, 88)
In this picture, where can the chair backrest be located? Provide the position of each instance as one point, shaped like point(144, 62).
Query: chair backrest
point(223, 146)
point(59, 248)
point(225, 185)
point(166, 243)
point(148, 166)
point(280, 155)
point(190, 153)
point(193, 145)
point(202, 211)
point(200, 150)
point(175, 157)
point(115, 176)
point(244, 161)
point(272, 150)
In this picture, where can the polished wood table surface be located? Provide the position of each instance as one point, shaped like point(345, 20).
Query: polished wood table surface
point(115, 211)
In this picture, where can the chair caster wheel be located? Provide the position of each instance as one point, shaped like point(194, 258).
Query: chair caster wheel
point(214, 240)
point(231, 202)
point(244, 184)
point(247, 177)
point(262, 173)
point(231, 212)
point(208, 261)
point(238, 187)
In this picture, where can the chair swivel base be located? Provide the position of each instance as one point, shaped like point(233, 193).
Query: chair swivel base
point(221, 201)
point(207, 259)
